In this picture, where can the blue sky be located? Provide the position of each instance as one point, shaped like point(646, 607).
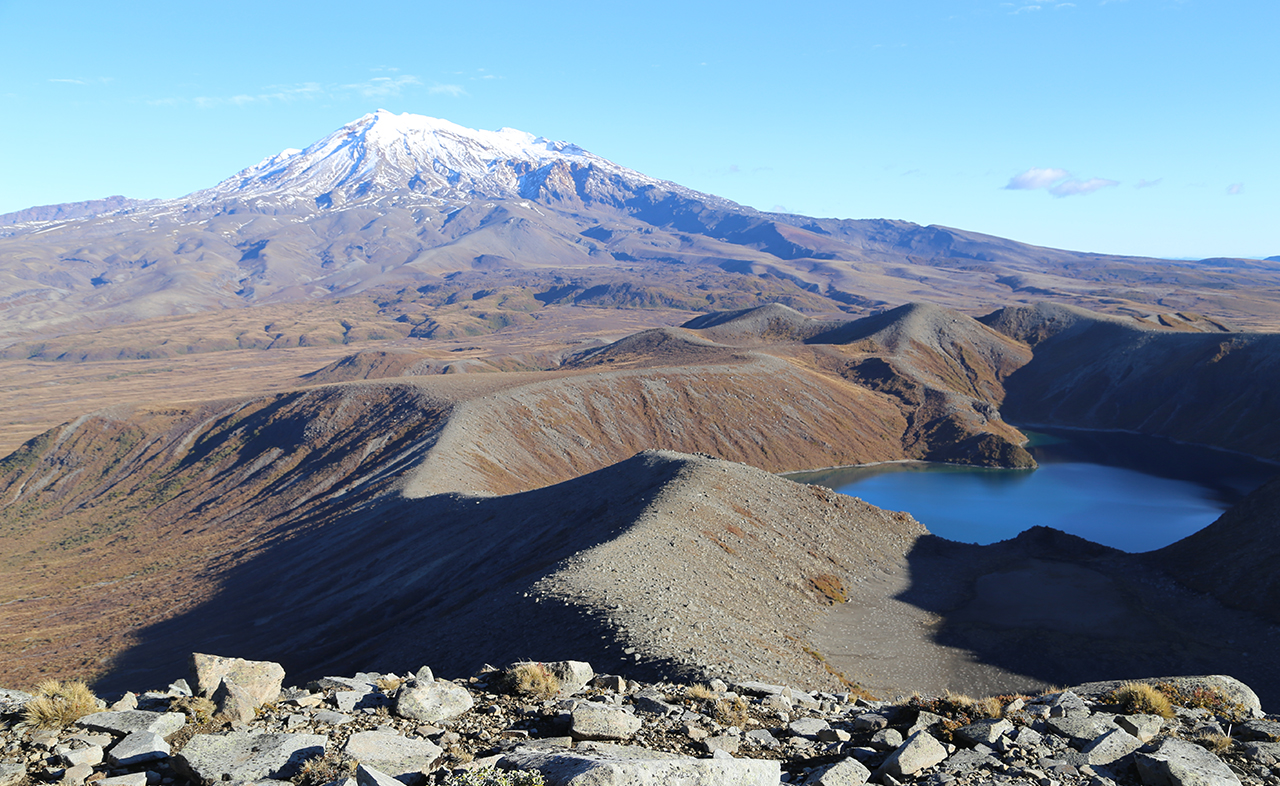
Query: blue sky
point(1123, 126)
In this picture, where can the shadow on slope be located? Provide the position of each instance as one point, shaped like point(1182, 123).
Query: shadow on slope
point(1234, 558)
point(661, 565)
point(396, 583)
point(1059, 609)
point(1098, 372)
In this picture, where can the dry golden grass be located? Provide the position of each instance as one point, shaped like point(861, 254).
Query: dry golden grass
point(830, 586)
point(1215, 742)
point(59, 704)
point(699, 693)
point(389, 685)
point(730, 712)
point(325, 769)
point(533, 679)
point(1140, 698)
point(198, 709)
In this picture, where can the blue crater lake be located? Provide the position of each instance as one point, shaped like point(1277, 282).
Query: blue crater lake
point(1130, 492)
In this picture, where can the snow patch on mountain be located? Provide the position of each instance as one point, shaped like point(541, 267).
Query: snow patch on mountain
point(383, 153)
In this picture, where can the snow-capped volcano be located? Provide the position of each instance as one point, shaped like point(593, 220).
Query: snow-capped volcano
point(383, 153)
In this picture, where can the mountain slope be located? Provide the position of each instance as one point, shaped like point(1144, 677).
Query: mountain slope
point(1093, 371)
point(393, 203)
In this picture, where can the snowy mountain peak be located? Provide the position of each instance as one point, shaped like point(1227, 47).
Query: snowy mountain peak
point(383, 153)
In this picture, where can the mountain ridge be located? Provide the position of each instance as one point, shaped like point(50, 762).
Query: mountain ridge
point(393, 205)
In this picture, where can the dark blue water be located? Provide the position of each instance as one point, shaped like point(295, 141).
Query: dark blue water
point(1129, 492)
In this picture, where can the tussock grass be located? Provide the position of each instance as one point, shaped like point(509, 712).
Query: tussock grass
point(1215, 742)
point(198, 709)
point(388, 685)
point(324, 769)
point(1141, 698)
point(699, 693)
point(533, 679)
point(59, 704)
point(730, 712)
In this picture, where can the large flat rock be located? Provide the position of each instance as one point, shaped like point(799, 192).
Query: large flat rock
point(247, 756)
point(638, 767)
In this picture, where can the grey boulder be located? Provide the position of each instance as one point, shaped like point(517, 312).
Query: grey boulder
point(392, 754)
point(849, 772)
point(1181, 763)
point(593, 721)
point(638, 767)
point(247, 756)
point(920, 751)
point(1111, 747)
point(432, 702)
point(139, 747)
point(129, 721)
point(574, 675)
point(260, 679)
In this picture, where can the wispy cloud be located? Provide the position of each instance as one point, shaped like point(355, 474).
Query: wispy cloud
point(1057, 182)
point(1148, 183)
point(70, 81)
point(1027, 8)
point(383, 86)
point(450, 90)
point(1235, 188)
point(1035, 178)
point(375, 87)
point(1077, 187)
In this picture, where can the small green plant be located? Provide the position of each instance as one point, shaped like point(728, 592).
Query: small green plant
point(198, 709)
point(1140, 698)
point(493, 777)
point(533, 679)
point(59, 704)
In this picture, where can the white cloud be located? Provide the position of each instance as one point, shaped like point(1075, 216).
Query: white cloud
point(1035, 178)
point(451, 90)
point(1148, 183)
point(1235, 188)
point(70, 81)
point(1058, 182)
point(1027, 8)
point(1076, 186)
point(383, 86)
point(376, 87)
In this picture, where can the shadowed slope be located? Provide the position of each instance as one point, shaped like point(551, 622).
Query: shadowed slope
point(1234, 558)
point(1093, 371)
point(697, 565)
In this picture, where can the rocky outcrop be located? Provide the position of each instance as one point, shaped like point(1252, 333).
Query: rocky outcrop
point(620, 732)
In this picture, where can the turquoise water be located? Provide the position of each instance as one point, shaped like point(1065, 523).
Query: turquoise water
point(1132, 493)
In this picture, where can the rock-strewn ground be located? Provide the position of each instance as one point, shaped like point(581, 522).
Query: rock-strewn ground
point(602, 729)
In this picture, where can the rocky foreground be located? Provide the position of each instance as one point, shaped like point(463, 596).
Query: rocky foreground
point(560, 723)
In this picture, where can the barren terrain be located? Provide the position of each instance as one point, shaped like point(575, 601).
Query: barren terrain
point(399, 492)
